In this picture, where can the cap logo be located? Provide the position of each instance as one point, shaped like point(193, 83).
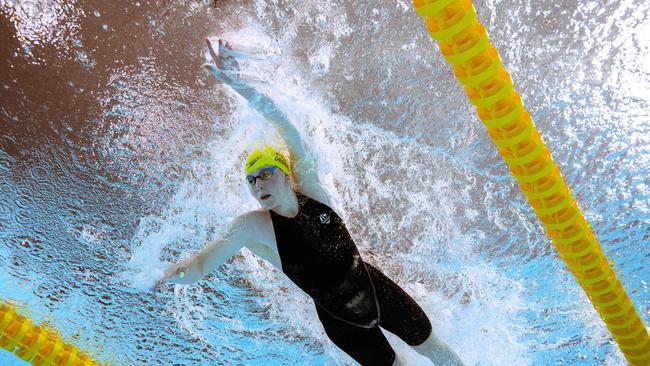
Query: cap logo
point(253, 161)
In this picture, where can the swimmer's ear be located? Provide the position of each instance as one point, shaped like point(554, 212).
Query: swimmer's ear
point(292, 182)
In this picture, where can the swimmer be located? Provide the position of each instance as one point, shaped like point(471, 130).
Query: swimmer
point(298, 232)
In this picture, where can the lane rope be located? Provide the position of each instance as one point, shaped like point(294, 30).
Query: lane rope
point(36, 344)
point(465, 45)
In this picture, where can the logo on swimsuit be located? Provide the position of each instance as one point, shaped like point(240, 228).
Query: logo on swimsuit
point(324, 218)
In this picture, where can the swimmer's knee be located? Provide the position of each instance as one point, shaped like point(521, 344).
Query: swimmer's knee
point(398, 361)
point(421, 332)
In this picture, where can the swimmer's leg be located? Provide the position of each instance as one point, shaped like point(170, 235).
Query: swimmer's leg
point(398, 360)
point(402, 316)
point(438, 352)
point(369, 347)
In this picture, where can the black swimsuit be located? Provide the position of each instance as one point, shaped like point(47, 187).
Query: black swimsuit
point(352, 297)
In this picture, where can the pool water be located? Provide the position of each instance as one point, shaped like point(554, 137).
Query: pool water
point(119, 153)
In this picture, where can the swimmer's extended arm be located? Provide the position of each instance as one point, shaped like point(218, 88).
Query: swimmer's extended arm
point(213, 255)
point(306, 173)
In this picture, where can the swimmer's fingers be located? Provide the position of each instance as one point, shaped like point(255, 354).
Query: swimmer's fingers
point(211, 50)
point(159, 284)
point(222, 57)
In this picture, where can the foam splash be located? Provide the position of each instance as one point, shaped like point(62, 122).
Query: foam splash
point(471, 305)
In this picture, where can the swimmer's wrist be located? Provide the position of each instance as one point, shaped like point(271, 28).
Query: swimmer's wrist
point(183, 275)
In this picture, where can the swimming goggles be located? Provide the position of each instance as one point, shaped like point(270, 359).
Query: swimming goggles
point(265, 174)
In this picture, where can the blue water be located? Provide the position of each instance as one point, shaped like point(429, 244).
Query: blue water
point(118, 154)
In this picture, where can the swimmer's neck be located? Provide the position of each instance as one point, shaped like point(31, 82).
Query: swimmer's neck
point(288, 205)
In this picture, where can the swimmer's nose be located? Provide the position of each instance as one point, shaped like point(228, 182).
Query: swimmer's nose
point(258, 187)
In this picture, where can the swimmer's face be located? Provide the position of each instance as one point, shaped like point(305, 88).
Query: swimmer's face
point(271, 191)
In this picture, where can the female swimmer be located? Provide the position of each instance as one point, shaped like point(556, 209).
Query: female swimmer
point(298, 232)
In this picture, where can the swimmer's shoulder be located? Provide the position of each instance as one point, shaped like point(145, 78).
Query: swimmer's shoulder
point(318, 195)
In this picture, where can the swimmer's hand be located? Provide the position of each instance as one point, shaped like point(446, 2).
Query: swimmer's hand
point(180, 273)
point(225, 67)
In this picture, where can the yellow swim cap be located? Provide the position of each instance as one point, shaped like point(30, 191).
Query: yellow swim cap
point(266, 156)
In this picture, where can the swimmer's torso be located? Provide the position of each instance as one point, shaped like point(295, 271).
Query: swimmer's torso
point(317, 253)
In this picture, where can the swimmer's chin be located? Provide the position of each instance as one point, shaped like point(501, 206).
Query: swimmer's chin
point(267, 201)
